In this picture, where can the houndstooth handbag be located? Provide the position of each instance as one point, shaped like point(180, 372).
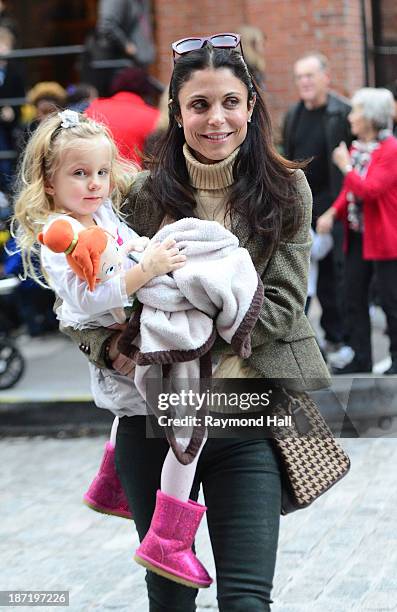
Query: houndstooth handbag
point(311, 461)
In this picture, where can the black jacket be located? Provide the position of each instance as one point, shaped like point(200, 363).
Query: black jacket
point(337, 128)
point(123, 21)
point(12, 87)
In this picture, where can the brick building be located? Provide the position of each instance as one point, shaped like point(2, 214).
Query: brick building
point(341, 29)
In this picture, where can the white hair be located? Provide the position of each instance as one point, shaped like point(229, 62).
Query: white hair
point(377, 105)
point(320, 57)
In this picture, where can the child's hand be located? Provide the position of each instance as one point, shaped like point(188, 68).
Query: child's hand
point(161, 258)
point(137, 244)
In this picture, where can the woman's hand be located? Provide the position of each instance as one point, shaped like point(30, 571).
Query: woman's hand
point(130, 49)
point(162, 257)
point(341, 156)
point(325, 222)
point(121, 363)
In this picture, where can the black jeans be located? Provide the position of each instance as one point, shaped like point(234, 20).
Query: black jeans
point(358, 279)
point(330, 283)
point(328, 294)
point(242, 489)
point(359, 273)
point(386, 276)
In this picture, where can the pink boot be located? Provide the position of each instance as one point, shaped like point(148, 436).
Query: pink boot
point(105, 493)
point(167, 547)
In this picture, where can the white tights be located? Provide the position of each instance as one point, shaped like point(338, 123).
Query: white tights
point(176, 479)
point(113, 432)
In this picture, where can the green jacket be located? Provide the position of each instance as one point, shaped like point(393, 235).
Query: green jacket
point(283, 341)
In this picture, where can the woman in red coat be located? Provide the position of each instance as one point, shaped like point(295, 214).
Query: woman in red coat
point(368, 206)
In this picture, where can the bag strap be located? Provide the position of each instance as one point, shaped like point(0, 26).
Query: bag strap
point(297, 410)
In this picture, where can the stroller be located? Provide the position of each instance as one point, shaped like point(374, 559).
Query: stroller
point(12, 363)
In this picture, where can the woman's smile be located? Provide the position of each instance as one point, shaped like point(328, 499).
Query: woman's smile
point(217, 136)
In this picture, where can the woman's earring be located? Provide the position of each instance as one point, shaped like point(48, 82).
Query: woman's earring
point(249, 120)
point(179, 124)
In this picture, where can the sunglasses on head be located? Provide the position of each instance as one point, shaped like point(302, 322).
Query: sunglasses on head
point(226, 40)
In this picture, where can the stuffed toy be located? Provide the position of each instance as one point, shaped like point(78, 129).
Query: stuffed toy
point(93, 254)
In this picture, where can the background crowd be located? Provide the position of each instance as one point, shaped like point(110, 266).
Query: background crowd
point(354, 185)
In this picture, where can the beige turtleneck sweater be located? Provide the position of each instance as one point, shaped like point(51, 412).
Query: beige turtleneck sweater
point(212, 183)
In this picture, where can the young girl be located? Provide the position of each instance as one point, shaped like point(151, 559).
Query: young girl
point(71, 170)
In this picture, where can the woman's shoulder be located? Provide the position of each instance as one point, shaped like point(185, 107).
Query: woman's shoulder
point(136, 191)
point(304, 200)
point(389, 144)
point(304, 197)
point(384, 156)
point(142, 212)
point(138, 183)
point(303, 188)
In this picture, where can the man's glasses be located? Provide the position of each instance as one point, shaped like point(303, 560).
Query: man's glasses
point(227, 40)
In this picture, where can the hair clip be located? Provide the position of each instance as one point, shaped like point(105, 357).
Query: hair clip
point(69, 118)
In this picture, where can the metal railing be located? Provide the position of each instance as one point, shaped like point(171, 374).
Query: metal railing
point(384, 49)
point(64, 50)
point(27, 54)
point(44, 52)
point(36, 52)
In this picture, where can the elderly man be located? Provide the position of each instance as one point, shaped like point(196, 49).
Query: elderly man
point(313, 127)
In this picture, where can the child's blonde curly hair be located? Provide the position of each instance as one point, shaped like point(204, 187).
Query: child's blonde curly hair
point(42, 157)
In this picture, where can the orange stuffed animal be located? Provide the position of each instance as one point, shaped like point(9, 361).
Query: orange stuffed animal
point(93, 254)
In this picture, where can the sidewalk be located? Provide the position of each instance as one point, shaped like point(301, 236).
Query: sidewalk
point(55, 370)
point(53, 396)
point(339, 555)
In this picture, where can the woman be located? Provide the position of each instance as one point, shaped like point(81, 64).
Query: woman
point(122, 37)
point(217, 162)
point(368, 205)
point(253, 42)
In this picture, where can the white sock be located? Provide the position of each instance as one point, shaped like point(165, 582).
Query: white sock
point(177, 479)
point(113, 432)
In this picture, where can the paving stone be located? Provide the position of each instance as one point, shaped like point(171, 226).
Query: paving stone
point(380, 601)
point(338, 555)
